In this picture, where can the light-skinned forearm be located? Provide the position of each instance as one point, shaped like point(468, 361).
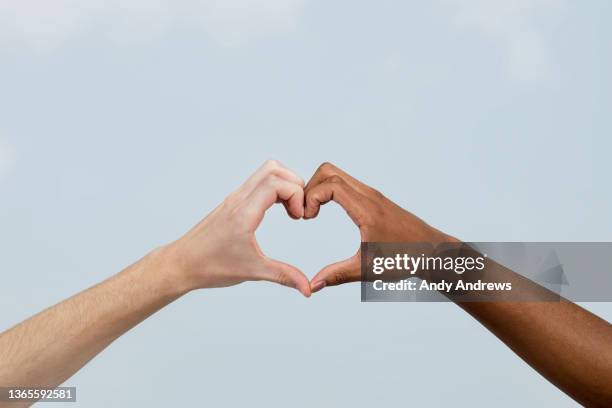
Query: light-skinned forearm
point(221, 250)
point(48, 348)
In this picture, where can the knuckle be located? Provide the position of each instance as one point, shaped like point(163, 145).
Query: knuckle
point(271, 164)
point(282, 278)
point(335, 179)
point(339, 277)
point(311, 198)
point(326, 167)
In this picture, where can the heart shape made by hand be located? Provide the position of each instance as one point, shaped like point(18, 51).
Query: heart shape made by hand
point(222, 249)
point(377, 218)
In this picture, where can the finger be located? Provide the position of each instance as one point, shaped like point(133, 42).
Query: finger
point(270, 167)
point(327, 170)
point(287, 275)
point(337, 273)
point(269, 191)
point(288, 209)
point(336, 189)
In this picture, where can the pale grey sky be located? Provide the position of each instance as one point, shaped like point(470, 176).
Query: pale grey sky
point(122, 123)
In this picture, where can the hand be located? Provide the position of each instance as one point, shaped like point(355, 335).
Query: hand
point(222, 250)
point(378, 220)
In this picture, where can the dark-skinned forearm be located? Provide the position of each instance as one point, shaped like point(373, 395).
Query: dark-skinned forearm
point(567, 344)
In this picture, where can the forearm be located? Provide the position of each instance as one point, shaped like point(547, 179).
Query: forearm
point(219, 251)
point(567, 344)
point(48, 348)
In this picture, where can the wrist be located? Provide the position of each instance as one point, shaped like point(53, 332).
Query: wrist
point(164, 263)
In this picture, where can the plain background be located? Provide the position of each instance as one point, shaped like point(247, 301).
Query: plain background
point(124, 123)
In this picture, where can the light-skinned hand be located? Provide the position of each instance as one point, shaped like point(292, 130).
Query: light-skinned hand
point(222, 250)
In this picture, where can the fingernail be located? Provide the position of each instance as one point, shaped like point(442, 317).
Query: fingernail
point(318, 286)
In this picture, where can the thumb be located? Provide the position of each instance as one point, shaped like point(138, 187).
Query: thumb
point(338, 273)
point(287, 275)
